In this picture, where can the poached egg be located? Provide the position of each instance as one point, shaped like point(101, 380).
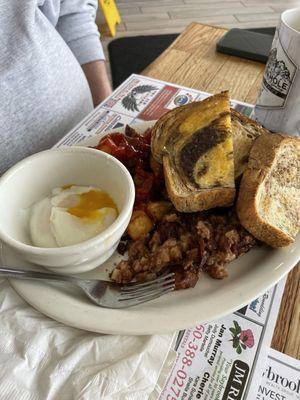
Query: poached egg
point(71, 215)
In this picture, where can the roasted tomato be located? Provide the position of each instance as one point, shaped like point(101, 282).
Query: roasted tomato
point(134, 151)
point(117, 145)
point(144, 184)
point(131, 149)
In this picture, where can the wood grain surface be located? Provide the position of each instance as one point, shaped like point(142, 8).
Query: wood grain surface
point(192, 61)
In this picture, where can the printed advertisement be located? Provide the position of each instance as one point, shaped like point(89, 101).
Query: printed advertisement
point(100, 121)
point(280, 378)
point(223, 360)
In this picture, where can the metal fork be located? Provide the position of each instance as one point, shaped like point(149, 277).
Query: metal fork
point(104, 293)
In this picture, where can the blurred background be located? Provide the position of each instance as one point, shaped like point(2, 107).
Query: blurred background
point(155, 17)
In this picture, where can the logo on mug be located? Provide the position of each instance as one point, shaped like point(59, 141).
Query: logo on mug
point(278, 77)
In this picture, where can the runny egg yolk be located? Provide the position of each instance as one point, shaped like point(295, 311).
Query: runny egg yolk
point(89, 204)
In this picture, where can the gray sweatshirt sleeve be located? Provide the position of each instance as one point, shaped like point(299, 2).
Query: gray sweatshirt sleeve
point(76, 24)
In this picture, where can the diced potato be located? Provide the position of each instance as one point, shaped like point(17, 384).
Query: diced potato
point(156, 210)
point(156, 167)
point(140, 225)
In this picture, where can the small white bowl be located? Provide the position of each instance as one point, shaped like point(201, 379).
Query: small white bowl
point(34, 177)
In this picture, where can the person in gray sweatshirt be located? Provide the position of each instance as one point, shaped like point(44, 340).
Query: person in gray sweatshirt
point(52, 72)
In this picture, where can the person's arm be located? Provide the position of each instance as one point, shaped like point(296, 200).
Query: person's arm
point(76, 24)
point(97, 78)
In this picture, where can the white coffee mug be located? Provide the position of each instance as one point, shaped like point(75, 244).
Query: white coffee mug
point(278, 104)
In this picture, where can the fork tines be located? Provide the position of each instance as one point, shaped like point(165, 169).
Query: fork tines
point(146, 291)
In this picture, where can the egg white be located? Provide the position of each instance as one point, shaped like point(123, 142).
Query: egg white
point(69, 229)
point(39, 226)
point(51, 225)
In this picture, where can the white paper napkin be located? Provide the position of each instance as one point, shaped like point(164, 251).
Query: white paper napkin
point(44, 359)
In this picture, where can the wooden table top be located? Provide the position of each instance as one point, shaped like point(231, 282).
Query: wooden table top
point(192, 61)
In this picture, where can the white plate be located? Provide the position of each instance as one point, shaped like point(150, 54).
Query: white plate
point(249, 276)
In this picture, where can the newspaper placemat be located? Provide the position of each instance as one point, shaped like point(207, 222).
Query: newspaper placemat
point(222, 360)
point(137, 100)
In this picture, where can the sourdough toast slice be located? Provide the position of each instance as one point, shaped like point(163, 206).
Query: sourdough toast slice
point(198, 156)
point(268, 203)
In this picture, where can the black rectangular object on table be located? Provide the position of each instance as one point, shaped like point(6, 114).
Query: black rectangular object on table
point(253, 44)
point(133, 54)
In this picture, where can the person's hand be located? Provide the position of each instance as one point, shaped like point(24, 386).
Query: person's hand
point(97, 78)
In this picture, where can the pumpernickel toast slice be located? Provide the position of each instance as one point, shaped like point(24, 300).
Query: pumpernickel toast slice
point(198, 156)
point(268, 204)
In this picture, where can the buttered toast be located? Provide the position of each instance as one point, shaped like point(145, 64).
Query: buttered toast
point(196, 149)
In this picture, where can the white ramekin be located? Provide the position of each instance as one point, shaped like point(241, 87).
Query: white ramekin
point(34, 177)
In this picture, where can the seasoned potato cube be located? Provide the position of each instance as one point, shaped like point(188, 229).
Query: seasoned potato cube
point(140, 225)
point(156, 210)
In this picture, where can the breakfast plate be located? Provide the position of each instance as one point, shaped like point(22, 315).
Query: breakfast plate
point(249, 276)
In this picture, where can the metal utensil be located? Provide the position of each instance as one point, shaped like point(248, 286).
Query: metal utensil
point(104, 293)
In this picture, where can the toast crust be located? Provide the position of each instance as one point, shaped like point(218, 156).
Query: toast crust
point(261, 160)
point(247, 121)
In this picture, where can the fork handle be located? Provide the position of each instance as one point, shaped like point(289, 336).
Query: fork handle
point(23, 274)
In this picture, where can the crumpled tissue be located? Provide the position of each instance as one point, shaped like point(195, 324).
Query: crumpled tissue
point(44, 359)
